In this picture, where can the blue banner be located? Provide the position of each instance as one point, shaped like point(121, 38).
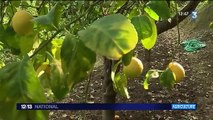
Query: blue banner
point(99, 106)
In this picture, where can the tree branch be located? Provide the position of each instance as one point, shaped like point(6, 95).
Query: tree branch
point(46, 42)
point(60, 30)
point(163, 26)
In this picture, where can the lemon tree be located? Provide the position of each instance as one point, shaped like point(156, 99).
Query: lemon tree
point(57, 43)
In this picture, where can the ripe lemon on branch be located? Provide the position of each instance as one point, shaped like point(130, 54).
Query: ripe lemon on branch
point(178, 70)
point(21, 22)
point(134, 69)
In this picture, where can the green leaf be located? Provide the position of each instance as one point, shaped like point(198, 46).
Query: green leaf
point(10, 41)
point(26, 42)
point(146, 29)
point(39, 59)
point(43, 73)
point(16, 3)
point(56, 48)
point(110, 36)
point(52, 18)
point(77, 60)
point(126, 59)
point(151, 13)
point(167, 78)
point(19, 84)
point(9, 38)
point(120, 85)
point(158, 8)
point(58, 82)
point(10, 10)
point(119, 81)
point(133, 13)
point(146, 81)
point(150, 74)
point(114, 69)
point(44, 20)
point(19, 43)
point(45, 79)
point(142, 25)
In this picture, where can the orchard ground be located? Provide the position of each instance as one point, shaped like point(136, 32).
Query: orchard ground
point(197, 86)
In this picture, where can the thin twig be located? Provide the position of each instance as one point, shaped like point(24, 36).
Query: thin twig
point(60, 30)
point(123, 7)
point(46, 42)
point(87, 87)
point(11, 5)
point(130, 7)
point(39, 8)
point(86, 92)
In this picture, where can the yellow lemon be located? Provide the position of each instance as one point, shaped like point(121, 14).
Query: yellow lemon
point(21, 22)
point(178, 70)
point(134, 69)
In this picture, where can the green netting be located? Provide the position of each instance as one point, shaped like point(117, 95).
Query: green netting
point(192, 45)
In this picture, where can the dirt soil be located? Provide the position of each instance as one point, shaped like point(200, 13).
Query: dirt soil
point(197, 86)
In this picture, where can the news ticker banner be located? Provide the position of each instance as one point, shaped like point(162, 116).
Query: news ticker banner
point(100, 106)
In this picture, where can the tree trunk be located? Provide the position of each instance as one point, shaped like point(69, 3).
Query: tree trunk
point(109, 94)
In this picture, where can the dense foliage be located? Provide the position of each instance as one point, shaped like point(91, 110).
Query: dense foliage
point(54, 46)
